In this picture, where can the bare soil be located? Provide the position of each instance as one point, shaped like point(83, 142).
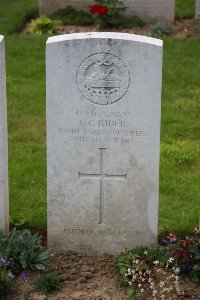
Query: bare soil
point(181, 29)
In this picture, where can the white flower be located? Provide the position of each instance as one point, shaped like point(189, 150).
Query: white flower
point(162, 284)
point(139, 285)
point(171, 260)
point(156, 262)
point(130, 283)
point(142, 290)
point(145, 253)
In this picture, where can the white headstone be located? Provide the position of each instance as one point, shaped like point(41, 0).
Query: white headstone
point(148, 10)
point(4, 218)
point(197, 10)
point(103, 139)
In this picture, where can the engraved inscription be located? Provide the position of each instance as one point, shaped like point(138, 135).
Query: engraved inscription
point(103, 78)
point(102, 176)
point(101, 232)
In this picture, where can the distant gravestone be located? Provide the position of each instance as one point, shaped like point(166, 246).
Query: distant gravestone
point(103, 139)
point(3, 143)
point(197, 10)
point(148, 10)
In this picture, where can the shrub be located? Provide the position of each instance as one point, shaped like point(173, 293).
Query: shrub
point(160, 29)
point(149, 270)
point(43, 25)
point(23, 249)
point(186, 253)
point(47, 283)
point(105, 12)
point(70, 16)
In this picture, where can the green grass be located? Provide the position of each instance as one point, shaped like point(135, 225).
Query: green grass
point(26, 124)
point(13, 13)
point(180, 133)
point(185, 9)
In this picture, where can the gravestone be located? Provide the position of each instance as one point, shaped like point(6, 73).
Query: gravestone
point(103, 138)
point(148, 10)
point(197, 10)
point(4, 219)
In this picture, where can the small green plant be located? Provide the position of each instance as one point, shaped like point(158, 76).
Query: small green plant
point(70, 16)
point(44, 25)
point(160, 29)
point(24, 250)
point(149, 270)
point(7, 279)
point(47, 283)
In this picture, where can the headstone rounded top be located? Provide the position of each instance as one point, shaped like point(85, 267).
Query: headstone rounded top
point(105, 35)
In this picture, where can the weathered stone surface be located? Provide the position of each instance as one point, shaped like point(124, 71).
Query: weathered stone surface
point(197, 10)
point(4, 220)
point(148, 10)
point(103, 138)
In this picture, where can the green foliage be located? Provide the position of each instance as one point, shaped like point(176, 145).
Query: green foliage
point(186, 253)
point(23, 249)
point(47, 283)
point(132, 294)
point(121, 22)
point(160, 29)
point(70, 16)
point(14, 13)
point(148, 270)
point(7, 280)
point(185, 9)
point(105, 13)
point(44, 25)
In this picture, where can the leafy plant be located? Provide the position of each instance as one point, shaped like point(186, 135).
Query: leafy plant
point(23, 249)
point(149, 270)
point(186, 253)
point(70, 16)
point(105, 12)
point(160, 29)
point(43, 25)
point(47, 283)
point(7, 280)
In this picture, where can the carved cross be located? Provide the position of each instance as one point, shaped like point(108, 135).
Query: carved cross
point(102, 176)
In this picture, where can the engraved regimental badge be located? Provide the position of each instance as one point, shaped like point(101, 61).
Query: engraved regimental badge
point(103, 78)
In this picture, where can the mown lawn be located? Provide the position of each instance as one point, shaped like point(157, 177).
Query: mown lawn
point(180, 133)
point(13, 13)
point(185, 9)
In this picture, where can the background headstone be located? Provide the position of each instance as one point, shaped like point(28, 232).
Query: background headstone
point(148, 10)
point(103, 141)
point(4, 218)
point(197, 10)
